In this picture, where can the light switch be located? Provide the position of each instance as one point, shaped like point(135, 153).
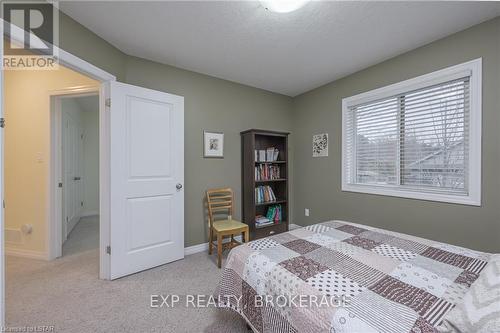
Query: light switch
point(39, 157)
point(306, 212)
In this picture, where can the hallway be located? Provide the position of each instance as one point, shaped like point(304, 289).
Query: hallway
point(84, 237)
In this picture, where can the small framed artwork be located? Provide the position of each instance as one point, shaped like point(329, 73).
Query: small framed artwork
point(213, 144)
point(320, 145)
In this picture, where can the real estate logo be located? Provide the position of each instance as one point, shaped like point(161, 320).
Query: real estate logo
point(31, 29)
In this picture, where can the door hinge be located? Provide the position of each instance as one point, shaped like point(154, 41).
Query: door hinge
point(81, 203)
point(108, 249)
point(3, 203)
point(108, 102)
point(2, 122)
point(67, 219)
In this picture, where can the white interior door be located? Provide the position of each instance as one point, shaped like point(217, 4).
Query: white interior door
point(72, 171)
point(147, 175)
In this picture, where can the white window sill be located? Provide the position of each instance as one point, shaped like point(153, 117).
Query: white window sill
point(471, 200)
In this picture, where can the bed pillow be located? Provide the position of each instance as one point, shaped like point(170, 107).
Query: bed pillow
point(479, 311)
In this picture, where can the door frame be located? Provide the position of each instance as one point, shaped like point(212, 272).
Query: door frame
point(54, 227)
point(83, 67)
point(79, 65)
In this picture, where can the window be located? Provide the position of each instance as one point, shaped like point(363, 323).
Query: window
point(420, 138)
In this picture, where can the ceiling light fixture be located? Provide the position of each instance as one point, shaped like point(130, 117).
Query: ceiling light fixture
point(283, 6)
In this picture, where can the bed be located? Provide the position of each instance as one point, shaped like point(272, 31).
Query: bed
point(350, 278)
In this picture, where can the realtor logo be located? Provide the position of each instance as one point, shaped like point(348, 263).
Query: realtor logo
point(31, 29)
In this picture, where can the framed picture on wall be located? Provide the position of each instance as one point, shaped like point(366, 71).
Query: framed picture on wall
point(320, 145)
point(213, 144)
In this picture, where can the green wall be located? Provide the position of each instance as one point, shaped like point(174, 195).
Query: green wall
point(78, 40)
point(217, 105)
point(220, 105)
point(317, 181)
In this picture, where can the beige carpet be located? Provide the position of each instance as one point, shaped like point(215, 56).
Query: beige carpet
point(66, 293)
point(83, 237)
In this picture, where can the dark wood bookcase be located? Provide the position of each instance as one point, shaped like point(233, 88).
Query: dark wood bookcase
point(252, 140)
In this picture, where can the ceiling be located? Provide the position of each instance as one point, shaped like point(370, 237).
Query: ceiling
point(289, 53)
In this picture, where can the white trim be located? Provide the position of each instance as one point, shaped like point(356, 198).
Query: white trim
point(104, 183)
point(67, 59)
point(395, 192)
point(419, 82)
point(11, 251)
point(2, 193)
point(204, 246)
point(76, 91)
point(471, 68)
point(69, 228)
point(71, 61)
point(293, 226)
point(90, 213)
point(195, 249)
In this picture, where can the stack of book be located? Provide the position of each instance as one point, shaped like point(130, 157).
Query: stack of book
point(261, 221)
point(266, 155)
point(264, 194)
point(275, 213)
point(267, 172)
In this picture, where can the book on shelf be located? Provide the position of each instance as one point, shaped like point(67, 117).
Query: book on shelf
point(267, 172)
point(262, 221)
point(262, 156)
point(270, 154)
point(264, 194)
point(274, 213)
point(267, 155)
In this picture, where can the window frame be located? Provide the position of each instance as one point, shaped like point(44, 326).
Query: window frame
point(473, 69)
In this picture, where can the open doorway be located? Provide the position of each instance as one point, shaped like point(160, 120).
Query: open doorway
point(38, 150)
point(79, 148)
point(140, 142)
point(33, 103)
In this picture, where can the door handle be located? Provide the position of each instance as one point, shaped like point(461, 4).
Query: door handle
point(178, 186)
point(76, 178)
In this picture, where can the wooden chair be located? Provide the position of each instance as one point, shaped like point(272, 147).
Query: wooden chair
point(220, 201)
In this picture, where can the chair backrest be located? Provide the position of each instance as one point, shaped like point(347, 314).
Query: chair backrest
point(219, 200)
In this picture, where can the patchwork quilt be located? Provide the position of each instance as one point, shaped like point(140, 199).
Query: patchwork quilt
point(344, 277)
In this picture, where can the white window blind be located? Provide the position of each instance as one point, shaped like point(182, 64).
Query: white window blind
point(414, 141)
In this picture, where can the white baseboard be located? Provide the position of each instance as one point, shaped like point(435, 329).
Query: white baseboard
point(195, 249)
point(70, 225)
point(204, 246)
point(10, 251)
point(90, 213)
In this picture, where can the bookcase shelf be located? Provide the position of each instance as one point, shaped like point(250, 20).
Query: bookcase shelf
point(251, 141)
point(271, 162)
point(271, 180)
point(267, 203)
point(270, 225)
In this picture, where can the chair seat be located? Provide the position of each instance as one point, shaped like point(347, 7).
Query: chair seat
point(228, 225)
